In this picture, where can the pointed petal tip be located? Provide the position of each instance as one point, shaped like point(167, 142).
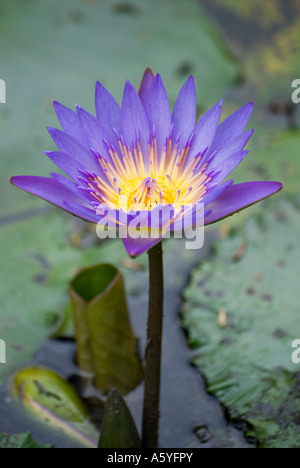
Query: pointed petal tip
point(190, 82)
point(148, 77)
point(136, 247)
point(145, 84)
point(99, 86)
point(22, 181)
point(12, 180)
point(128, 88)
point(19, 181)
point(277, 186)
point(266, 187)
point(51, 130)
point(148, 71)
point(59, 105)
point(217, 108)
point(130, 251)
point(240, 196)
point(158, 77)
point(247, 108)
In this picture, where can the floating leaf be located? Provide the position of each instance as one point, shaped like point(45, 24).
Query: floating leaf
point(106, 343)
point(53, 401)
point(247, 362)
point(118, 427)
point(19, 441)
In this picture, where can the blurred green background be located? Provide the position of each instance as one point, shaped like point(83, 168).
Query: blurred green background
point(242, 51)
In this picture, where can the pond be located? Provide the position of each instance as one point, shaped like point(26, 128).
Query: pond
point(231, 308)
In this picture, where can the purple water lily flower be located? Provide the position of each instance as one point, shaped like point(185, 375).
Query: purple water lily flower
point(139, 160)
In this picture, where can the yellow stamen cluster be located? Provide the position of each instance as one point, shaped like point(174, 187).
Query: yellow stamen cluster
point(166, 180)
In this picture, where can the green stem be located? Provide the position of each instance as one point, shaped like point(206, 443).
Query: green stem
point(153, 348)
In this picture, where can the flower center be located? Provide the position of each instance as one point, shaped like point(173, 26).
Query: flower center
point(126, 182)
point(148, 192)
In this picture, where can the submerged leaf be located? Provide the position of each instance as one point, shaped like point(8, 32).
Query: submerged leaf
point(105, 340)
point(53, 401)
point(118, 427)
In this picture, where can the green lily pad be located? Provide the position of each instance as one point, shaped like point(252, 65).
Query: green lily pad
point(19, 441)
point(242, 315)
point(58, 50)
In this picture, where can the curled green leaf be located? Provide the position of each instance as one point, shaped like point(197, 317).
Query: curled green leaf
point(105, 340)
